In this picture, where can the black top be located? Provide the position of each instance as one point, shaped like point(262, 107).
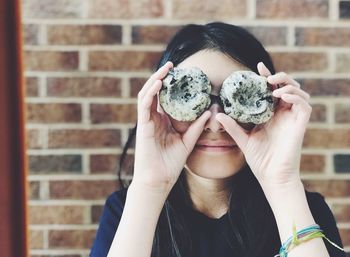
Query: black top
point(206, 232)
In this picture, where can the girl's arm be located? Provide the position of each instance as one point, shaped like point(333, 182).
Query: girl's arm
point(273, 152)
point(160, 155)
point(289, 204)
point(136, 229)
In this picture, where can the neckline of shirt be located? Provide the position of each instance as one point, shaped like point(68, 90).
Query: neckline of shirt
point(206, 218)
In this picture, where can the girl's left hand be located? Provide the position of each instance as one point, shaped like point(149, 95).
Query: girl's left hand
point(273, 150)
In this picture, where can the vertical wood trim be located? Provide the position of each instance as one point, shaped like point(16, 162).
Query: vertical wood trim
point(13, 163)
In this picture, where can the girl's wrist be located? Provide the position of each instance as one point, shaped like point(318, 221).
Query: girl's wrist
point(276, 193)
point(157, 192)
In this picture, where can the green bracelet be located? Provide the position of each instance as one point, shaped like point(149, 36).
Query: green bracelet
point(302, 236)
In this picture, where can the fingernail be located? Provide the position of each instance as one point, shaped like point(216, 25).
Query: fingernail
point(276, 92)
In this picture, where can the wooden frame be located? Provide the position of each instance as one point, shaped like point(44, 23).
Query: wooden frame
point(13, 168)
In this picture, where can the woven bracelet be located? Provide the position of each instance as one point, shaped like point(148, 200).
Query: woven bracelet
point(302, 236)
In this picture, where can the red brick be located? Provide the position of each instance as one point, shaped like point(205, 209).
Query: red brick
point(299, 61)
point(55, 164)
point(312, 163)
point(33, 140)
point(55, 214)
point(327, 138)
point(318, 113)
point(84, 34)
point(107, 113)
point(345, 236)
point(327, 87)
point(84, 87)
point(329, 187)
point(135, 85)
point(342, 113)
point(74, 239)
point(341, 212)
point(204, 9)
point(104, 163)
point(123, 60)
point(126, 9)
point(96, 211)
point(30, 34)
point(343, 62)
point(53, 113)
point(287, 9)
point(31, 85)
point(76, 189)
point(50, 61)
point(269, 36)
point(34, 189)
point(153, 34)
point(71, 138)
point(322, 36)
point(36, 239)
point(52, 8)
point(109, 163)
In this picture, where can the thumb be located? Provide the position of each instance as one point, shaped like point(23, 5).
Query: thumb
point(193, 132)
point(234, 130)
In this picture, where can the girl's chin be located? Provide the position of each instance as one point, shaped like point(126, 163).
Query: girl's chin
point(214, 173)
point(215, 168)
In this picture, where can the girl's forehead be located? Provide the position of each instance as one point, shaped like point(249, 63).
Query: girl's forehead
point(216, 65)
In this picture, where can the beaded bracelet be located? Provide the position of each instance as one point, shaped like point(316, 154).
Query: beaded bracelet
point(301, 236)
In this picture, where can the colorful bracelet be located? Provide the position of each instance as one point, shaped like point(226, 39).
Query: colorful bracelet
point(302, 236)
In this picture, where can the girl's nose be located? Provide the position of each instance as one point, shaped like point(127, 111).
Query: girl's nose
point(212, 124)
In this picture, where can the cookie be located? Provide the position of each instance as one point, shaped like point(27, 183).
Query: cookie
point(247, 97)
point(185, 93)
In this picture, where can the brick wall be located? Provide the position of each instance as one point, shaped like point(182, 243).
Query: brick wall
point(85, 61)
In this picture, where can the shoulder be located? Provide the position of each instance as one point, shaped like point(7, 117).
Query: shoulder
point(324, 217)
point(319, 208)
point(314, 198)
point(115, 202)
point(317, 203)
point(109, 221)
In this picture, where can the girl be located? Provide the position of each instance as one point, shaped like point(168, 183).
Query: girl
point(210, 188)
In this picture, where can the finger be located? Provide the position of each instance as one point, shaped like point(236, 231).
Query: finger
point(149, 100)
point(300, 105)
point(282, 78)
point(290, 89)
point(263, 70)
point(296, 100)
point(234, 130)
point(159, 106)
point(193, 132)
point(159, 74)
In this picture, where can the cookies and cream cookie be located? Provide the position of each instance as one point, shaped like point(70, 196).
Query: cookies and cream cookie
point(185, 93)
point(247, 97)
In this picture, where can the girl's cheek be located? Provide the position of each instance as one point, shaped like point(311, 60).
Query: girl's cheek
point(180, 126)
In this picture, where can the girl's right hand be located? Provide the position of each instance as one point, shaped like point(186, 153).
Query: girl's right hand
point(160, 151)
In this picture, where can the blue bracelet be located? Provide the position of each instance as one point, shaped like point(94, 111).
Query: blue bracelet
point(283, 250)
point(314, 229)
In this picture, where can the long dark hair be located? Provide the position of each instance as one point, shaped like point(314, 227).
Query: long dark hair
point(252, 227)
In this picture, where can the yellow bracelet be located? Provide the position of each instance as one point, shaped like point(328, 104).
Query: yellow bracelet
point(302, 236)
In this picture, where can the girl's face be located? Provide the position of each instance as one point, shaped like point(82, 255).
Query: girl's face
point(215, 154)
